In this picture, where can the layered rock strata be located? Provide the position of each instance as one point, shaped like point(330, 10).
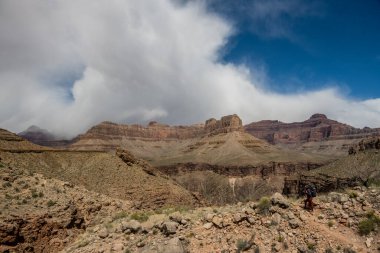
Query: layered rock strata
point(317, 128)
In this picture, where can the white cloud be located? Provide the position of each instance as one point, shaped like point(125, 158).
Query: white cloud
point(141, 61)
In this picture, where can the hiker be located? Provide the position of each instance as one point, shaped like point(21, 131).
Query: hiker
point(310, 192)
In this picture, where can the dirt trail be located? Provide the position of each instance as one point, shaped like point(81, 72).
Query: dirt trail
point(341, 233)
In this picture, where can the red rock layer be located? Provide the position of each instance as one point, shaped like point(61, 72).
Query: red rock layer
point(317, 128)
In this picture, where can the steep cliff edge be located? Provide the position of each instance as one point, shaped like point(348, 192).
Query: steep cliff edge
point(317, 128)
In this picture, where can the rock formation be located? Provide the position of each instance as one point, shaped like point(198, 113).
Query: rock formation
point(43, 137)
point(226, 124)
point(317, 128)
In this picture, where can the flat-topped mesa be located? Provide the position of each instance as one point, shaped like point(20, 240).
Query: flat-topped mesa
point(317, 128)
point(226, 124)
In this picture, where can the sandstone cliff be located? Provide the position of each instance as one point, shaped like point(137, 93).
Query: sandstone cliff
point(317, 128)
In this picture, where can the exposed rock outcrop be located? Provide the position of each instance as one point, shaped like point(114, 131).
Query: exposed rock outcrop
point(366, 144)
point(226, 124)
point(317, 128)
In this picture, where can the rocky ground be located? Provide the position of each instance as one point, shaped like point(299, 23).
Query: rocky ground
point(41, 214)
point(275, 224)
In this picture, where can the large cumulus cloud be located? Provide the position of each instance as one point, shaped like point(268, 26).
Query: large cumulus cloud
point(66, 65)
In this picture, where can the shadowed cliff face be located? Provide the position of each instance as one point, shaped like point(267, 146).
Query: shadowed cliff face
point(317, 128)
point(362, 166)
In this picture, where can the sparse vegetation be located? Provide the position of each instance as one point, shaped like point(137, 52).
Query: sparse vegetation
point(242, 245)
point(83, 243)
point(139, 216)
point(119, 216)
point(264, 205)
point(330, 223)
point(2, 165)
point(369, 224)
point(329, 250)
point(7, 184)
point(353, 194)
point(51, 203)
point(311, 246)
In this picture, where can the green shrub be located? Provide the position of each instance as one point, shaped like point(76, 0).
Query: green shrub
point(311, 246)
point(2, 165)
point(369, 224)
point(264, 205)
point(353, 195)
point(330, 223)
point(51, 203)
point(242, 245)
point(119, 216)
point(140, 216)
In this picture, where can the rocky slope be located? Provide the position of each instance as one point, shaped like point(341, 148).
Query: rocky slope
point(271, 225)
point(12, 142)
point(39, 214)
point(119, 176)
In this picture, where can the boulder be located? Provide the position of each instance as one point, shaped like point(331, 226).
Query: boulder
point(133, 225)
point(279, 200)
point(169, 227)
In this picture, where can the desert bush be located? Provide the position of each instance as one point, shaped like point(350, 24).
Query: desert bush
point(140, 216)
point(119, 215)
point(7, 184)
point(329, 250)
point(51, 203)
point(353, 195)
point(311, 246)
point(369, 224)
point(242, 245)
point(330, 223)
point(264, 205)
point(213, 187)
point(348, 250)
point(2, 165)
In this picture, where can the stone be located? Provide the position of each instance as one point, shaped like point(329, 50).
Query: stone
point(169, 227)
point(208, 225)
point(118, 247)
point(209, 217)
point(276, 218)
point(103, 233)
point(368, 242)
point(239, 217)
point(133, 225)
point(294, 223)
point(279, 200)
point(217, 221)
point(174, 245)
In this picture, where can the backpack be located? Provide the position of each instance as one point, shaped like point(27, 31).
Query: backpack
point(311, 190)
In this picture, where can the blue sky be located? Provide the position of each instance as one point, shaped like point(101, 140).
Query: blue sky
point(68, 65)
point(306, 45)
